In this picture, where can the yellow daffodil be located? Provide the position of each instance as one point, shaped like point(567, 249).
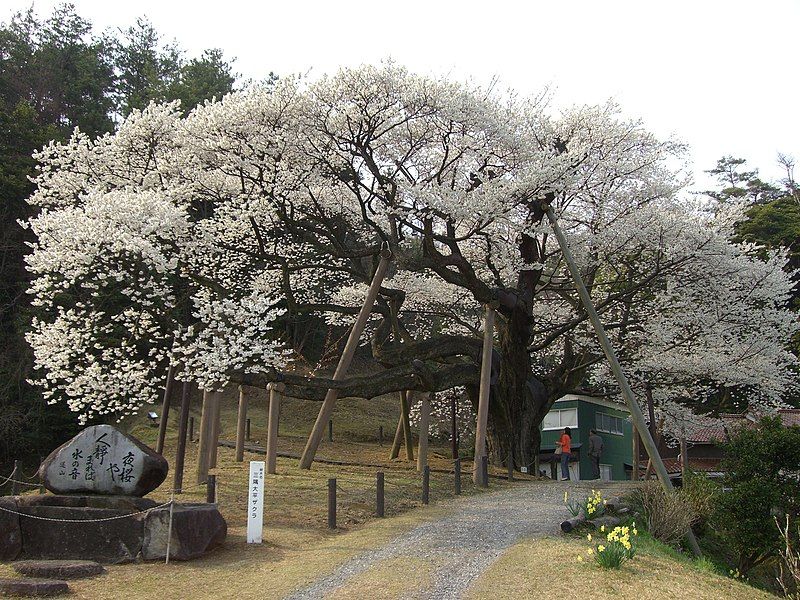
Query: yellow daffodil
point(589, 537)
point(580, 559)
point(600, 548)
point(603, 528)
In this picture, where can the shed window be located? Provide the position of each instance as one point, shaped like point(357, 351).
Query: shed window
point(609, 424)
point(558, 419)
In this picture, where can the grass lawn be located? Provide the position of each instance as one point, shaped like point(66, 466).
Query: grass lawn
point(549, 568)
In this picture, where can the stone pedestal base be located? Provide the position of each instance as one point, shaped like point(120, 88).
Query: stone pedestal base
point(67, 528)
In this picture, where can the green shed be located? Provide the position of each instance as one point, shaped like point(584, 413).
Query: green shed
point(582, 413)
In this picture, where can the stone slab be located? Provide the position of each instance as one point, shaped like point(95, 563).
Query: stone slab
point(10, 532)
point(33, 587)
point(124, 503)
point(196, 529)
point(103, 460)
point(112, 541)
point(58, 569)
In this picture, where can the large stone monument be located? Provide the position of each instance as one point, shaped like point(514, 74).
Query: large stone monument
point(97, 510)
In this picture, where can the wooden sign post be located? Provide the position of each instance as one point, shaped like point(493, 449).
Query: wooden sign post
point(255, 502)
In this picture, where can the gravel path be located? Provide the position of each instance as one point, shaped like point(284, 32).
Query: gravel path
point(473, 534)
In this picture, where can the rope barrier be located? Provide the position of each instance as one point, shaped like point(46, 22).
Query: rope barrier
point(102, 520)
point(12, 480)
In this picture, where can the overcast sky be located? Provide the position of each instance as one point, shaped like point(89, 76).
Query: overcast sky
point(720, 75)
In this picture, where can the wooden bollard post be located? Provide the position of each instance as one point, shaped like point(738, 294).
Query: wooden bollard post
point(241, 425)
point(191, 429)
point(332, 503)
point(457, 481)
point(426, 484)
point(330, 430)
point(511, 465)
point(215, 431)
point(247, 430)
point(379, 494)
point(15, 478)
point(275, 391)
point(484, 471)
point(424, 426)
point(380, 435)
point(211, 489)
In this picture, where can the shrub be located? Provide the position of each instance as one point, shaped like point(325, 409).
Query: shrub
point(702, 494)
point(667, 516)
point(761, 479)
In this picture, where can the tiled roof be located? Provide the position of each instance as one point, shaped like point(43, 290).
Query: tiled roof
point(702, 465)
point(789, 416)
point(718, 432)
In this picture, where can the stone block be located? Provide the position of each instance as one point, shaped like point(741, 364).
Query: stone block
point(196, 529)
point(32, 588)
point(112, 541)
point(58, 569)
point(10, 533)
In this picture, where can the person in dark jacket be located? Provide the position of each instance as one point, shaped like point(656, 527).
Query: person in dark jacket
point(595, 452)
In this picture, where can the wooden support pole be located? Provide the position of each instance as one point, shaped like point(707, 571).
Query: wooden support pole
point(684, 459)
point(162, 428)
point(453, 426)
point(332, 503)
point(426, 484)
point(636, 452)
point(424, 426)
point(180, 452)
point(215, 431)
point(330, 430)
point(457, 473)
point(398, 439)
point(344, 362)
point(247, 430)
point(405, 410)
point(241, 425)
point(622, 381)
point(206, 434)
point(484, 471)
point(275, 392)
point(483, 397)
point(379, 494)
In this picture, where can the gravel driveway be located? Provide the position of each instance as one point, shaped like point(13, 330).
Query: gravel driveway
point(474, 533)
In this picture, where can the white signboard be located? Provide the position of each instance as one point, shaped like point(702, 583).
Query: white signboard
point(255, 501)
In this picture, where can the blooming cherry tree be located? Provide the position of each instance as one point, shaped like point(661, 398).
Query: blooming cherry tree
point(279, 199)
